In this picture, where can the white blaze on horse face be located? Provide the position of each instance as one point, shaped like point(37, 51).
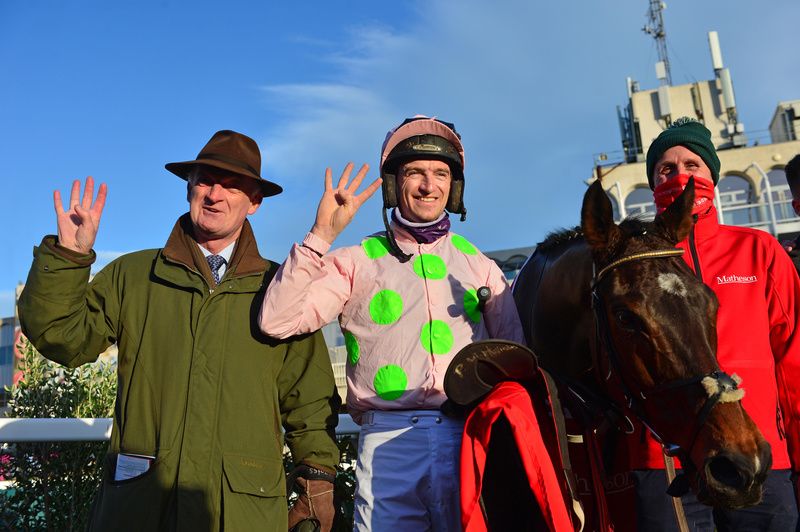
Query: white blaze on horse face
point(672, 284)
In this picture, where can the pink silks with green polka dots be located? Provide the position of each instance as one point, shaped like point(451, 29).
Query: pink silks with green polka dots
point(402, 322)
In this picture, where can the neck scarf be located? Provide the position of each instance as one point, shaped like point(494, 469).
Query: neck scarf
point(666, 193)
point(426, 232)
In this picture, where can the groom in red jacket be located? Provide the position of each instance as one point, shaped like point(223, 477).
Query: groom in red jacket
point(759, 304)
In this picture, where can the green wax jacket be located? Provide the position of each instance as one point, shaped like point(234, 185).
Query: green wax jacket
point(199, 386)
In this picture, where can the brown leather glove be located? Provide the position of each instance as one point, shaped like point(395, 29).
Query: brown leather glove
point(315, 499)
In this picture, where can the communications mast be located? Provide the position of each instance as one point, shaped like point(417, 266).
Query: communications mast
point(655, 27)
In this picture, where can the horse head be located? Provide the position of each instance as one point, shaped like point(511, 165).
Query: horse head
point(656, 342)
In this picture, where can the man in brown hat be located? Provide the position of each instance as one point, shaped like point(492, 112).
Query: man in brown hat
point(196, 442)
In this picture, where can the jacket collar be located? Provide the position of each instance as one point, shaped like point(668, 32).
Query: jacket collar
point(706, 226)
point(182, 248)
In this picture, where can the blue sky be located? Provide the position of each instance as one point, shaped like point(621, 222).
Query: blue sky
point(118, 89)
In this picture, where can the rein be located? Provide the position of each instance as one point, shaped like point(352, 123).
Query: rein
point(718, 385)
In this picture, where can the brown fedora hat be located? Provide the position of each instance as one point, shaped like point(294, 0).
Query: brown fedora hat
point(232, 152)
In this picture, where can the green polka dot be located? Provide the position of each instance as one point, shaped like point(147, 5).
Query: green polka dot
point(375, 247)
point(471, 305)
point(386, 307)
point(390, 382)
point(430, 266)
point(436, 337)
point(463, 245)
point(351, 344)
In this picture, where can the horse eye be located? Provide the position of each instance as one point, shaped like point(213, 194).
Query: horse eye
point(628, 320)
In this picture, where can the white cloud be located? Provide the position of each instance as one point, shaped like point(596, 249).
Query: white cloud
point(322, 128)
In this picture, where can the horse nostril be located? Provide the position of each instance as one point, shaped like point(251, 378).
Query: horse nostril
point(725, 471)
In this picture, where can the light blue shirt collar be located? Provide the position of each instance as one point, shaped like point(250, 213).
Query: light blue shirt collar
point(225, 254)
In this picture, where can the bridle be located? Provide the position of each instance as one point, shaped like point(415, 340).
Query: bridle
point(724, 382)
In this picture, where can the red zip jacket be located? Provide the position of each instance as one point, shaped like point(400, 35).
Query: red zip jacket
point(759, 303)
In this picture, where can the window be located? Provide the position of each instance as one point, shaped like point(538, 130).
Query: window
point(738, 202)
point(639, 203)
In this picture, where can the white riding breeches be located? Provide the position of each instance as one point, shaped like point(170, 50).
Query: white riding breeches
point(408, 472)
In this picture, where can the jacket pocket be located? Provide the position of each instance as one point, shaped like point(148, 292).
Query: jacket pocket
point(119, 504)
point(254, 475)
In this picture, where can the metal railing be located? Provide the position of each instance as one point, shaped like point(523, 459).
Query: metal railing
point(773, 212)
point(340, 374)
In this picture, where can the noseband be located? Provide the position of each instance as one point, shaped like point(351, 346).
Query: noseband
point(718, 385)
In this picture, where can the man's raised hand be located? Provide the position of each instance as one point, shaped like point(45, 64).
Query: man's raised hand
point(339, 205)
point(77, 226)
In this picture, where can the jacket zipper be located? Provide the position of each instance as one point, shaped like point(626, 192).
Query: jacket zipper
point(779, 422)
point(693, 250)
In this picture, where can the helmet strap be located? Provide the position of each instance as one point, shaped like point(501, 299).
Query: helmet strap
point(394, 248)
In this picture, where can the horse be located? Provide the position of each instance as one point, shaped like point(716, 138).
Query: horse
point(615, 309)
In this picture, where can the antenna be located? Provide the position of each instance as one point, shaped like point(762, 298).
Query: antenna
point(655, 27)
point(735, 128)
point(716, 52)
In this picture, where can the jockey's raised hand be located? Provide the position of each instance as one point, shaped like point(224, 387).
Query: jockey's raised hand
point(77, 226)
point(339, 205)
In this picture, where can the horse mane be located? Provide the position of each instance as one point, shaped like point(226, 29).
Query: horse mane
point(559, 238)
point(633, 225)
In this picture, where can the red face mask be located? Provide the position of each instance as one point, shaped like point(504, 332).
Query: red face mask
point(666, 193)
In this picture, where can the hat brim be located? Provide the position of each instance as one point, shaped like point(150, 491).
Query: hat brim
point(478, 367)
point(183, 169)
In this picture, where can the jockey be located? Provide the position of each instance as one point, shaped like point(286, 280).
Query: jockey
point(759, 303)
point(406, 301)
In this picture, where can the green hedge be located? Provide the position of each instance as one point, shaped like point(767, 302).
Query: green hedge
point(55, 482)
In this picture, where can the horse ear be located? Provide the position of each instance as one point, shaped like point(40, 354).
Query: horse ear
point(597, 220)
point(676, 221)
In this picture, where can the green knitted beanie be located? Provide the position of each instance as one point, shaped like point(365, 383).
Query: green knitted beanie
point(689, 133)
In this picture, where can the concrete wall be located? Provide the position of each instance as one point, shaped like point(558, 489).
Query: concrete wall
point(701, 101)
